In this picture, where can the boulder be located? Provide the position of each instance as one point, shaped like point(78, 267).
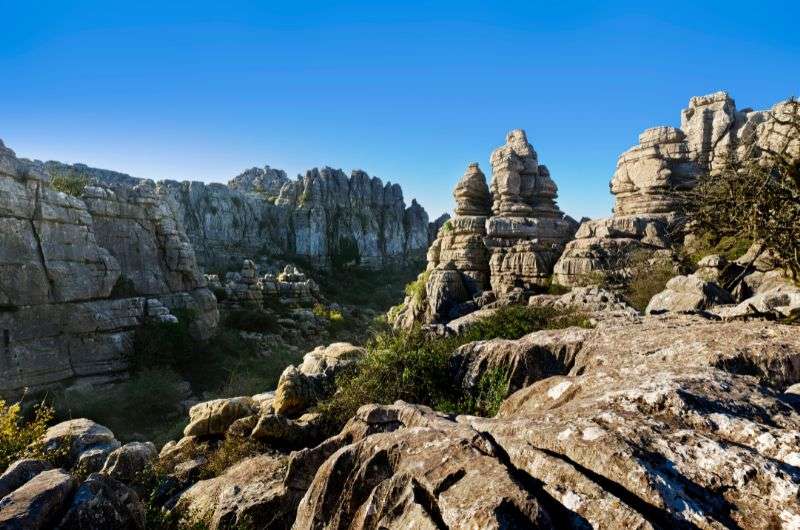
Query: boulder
point(524, 361)
point(301, 387)
point(86, 443)
point(20, 472)
point(39, 503)
point(213, 417)
point(250, 492)
point(102, 502)
point(687, 294)
point(127, 462)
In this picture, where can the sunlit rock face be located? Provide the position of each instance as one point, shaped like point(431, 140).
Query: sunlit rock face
point(79, 274)
point(502, 237)
point(652, 177)
point(527, 231)
point(325, 216)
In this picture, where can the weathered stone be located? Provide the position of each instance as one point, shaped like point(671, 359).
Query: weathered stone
point(301, 387)
point(533, 357)
point(103, 502)
point(652, 177)
point(250, 492)
point(20, 472)
point(686, 294)
point(39, 504)
point(127, 462)
point(432, 474)
point(214, 417)
point(323, 216)
point(86, 443)
point(74, 271)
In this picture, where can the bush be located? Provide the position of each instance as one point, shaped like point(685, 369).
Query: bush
point(253, 320)
point(646, 277)
point(163, 344)
point(415, 367)
point(20, 438)
point(146, 405)
point(70, 183)
point(417, 289)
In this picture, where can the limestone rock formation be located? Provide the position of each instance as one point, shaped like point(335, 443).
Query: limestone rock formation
point(527, 232)
point(299, 388)
point(651, 177)
point(266, 181)
point(77, 274)
point(501, 239)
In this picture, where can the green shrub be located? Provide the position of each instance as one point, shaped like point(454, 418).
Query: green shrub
point(21, 438)
point(70, 183)
point(146, 405)
point(415, 367)
point(754, 197)
point(557, 289)
point(705, 244)
point(447, 227)
point(163, 344)
point(417, 289)
point(646, 277)
point(253, 320)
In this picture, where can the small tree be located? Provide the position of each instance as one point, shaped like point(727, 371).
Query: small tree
point(755, 197)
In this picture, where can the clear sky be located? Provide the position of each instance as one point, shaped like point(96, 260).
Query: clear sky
point(408, 91)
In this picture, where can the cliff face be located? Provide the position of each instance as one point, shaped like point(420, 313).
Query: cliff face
point(61, 258)
point(325, 217)
point(651, 177)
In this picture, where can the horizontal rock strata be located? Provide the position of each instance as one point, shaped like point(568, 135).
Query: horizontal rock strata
point(80, 274)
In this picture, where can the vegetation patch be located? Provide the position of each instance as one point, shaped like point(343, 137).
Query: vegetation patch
point(415, 367)
point(70, 183)
point(21, 437)
point(252, 320)
point(146, 406)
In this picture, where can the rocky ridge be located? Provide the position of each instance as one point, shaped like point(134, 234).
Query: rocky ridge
point(324, 216)
point(79, 275)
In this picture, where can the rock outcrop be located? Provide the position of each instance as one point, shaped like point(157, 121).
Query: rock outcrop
point(77, 274)
point(652, 176)
point(325, 216)
point(501, 239)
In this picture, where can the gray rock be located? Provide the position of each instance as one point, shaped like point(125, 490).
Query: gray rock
point(102, 502)
point(87, 442)
point(651, 178)
point(39, 504)
point(20, 472)
point(687, 294)
point(128, 461)
point(214, 417)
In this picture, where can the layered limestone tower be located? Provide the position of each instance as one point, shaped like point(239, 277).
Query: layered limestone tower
point(500, 239)
point(458, 260)
point(651, 178)
point(527, 231)
point(78, 276)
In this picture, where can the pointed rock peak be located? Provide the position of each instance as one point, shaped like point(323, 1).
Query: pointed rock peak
point(471, 193)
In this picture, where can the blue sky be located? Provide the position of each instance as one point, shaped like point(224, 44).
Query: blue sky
point(408, 91)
